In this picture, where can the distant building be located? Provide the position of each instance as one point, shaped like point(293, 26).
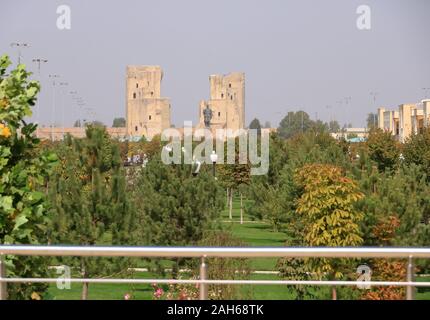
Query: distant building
point(410, 119)
point(227, 102)
point(147, 113)
point(351, 134)
point(57, 133)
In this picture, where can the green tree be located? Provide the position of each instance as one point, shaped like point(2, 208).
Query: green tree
point(95, 123)
point(234, 176)
point(118, 122)
point(176, 207)
point(327, 216)
point(334, 126)
point(404, 195)
point(255, 124)
point(319, 127)
point(23, 171)
point(417, 150)
point(372, 120)
point(383, 149)
point(294, 123)
point(90, 200)
point(274, 193)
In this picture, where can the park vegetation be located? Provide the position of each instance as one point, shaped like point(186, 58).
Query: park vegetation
point(318, 192)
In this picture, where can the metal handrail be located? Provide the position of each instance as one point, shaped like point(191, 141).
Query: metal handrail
point(220, 252)
point(231, 252)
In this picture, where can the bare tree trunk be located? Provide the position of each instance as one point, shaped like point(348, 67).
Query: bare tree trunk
point(231, 204)
point(84, 291)
point(241, 208)
point(228, 196)
point(333, 293)
point(84, 295)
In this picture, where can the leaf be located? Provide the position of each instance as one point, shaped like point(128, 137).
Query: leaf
point(34, 196)
point(6, 203)
point(19, 221)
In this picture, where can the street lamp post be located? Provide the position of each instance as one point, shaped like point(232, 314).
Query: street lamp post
point(73, 95)
point(62, 84)
point(53, 76)
point(214, 159)
point(19, 45)
point(81, 104)
point(374, 94)
point(39, 61)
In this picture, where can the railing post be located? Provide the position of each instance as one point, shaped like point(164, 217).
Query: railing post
point(410, 277)
point(3, 285)
point(203, 276)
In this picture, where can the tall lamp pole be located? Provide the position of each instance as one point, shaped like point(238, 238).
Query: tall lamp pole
point(374, 94)
point(39, 62)
point(73, 95)
point(19, 45)
point(62, 84)
point(53, 77)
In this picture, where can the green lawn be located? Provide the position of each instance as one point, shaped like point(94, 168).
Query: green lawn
point(256, 233)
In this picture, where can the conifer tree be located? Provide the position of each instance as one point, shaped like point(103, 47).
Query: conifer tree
point(91, 204)
point(175, 207)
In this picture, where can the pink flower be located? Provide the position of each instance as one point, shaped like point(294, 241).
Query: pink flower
point(127, 296)
point(158, 293)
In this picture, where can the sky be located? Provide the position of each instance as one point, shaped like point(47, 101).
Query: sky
point(296, 54)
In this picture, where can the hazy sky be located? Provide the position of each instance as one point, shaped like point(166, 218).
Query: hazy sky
point(295, 54)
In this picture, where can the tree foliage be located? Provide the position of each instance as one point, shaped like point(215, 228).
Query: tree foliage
point(294, 123)
point(417, 150)
point(255, 125)
point(172, 199)
point(23, 170)
point(118, 122)
point(90, 200)
point(383, 149)
point(327, 206)
point(372, 120)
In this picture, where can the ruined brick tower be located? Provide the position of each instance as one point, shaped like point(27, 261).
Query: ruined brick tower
point(148, 113)
point(227, 102)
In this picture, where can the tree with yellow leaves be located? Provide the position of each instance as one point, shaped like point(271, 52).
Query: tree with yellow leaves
point(330, 218)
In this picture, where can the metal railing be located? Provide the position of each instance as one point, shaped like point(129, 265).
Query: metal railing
point(219, 252)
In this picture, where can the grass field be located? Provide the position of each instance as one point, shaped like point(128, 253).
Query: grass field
point(252, 233)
